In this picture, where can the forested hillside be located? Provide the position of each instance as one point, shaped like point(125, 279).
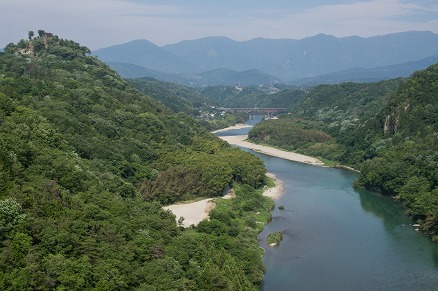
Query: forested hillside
point(321, 123)
point(342, 108)
point(401, 149)
point(387, 130)
point(254, 96)
point(190, 101)
point(86, 162)
point(176, 97)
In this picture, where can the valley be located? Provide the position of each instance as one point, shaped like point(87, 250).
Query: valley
point(90, 162)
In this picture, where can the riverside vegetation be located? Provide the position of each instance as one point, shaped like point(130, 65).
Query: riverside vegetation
point(274, 238)
point(387, 130)
point(86, 163)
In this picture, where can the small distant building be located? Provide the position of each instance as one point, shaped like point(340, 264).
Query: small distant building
point(238, 89)
point(273, 90)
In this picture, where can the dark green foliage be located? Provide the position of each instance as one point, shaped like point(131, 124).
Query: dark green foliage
point(287, 98)
point(344, 107)
point(407, 130)
point(176, 97)
point(255, 96)
point(295, 133)
point(190, 101)
point(300, 135)
point(78, 148)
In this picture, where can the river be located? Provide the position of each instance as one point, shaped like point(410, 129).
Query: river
point(339, 238)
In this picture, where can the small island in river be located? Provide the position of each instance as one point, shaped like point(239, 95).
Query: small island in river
point(274, 239)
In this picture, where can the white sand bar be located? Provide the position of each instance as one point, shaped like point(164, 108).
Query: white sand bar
point(274, 192)
point(240, 140)
point(192, 212)
point(195, 212)
point(237, 126)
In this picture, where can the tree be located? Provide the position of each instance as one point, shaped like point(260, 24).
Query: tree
point(30, 34)
point(10, 48)
point(41, 33)
point(10, 215)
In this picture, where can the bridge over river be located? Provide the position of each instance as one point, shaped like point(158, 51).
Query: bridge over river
point(254, 110)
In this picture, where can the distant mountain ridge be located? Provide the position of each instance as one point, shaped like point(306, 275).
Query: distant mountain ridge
point(285, 59)
point(369, 75)
point(249, 77)
point(210, 78)
point(145, 54)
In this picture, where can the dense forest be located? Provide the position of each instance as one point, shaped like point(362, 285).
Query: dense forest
point(323, 122)
point(86, 163)
point(175, 96)
point(254, 96)
point(387, 130)
point(190, 101)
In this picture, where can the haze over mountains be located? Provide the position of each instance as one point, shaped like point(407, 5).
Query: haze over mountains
point(359, 74)
point(262, 61)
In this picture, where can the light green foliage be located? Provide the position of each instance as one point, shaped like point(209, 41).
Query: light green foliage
point(274, 238)
point(10, 215)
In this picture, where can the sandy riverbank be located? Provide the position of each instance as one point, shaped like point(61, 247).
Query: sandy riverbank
point(276, 191)
point(240, 140)
point(237, 126)
point(194, 212)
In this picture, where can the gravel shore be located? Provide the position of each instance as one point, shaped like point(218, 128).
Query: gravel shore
point(240, 140)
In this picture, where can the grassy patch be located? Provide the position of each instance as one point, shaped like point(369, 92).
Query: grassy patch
point(269, 182)
point(327, 162)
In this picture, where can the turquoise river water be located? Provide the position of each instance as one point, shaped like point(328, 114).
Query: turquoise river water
point(339, 238)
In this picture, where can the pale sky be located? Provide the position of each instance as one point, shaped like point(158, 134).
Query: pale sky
point(101, 23)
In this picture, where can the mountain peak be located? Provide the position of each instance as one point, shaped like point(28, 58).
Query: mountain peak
point(132, 43)
point(286, 59)
point(141, 42)
point(144, 53)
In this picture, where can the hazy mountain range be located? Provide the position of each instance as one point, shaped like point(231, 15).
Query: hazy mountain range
point(215, 77)
point(369, 75)
point(220, 60)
